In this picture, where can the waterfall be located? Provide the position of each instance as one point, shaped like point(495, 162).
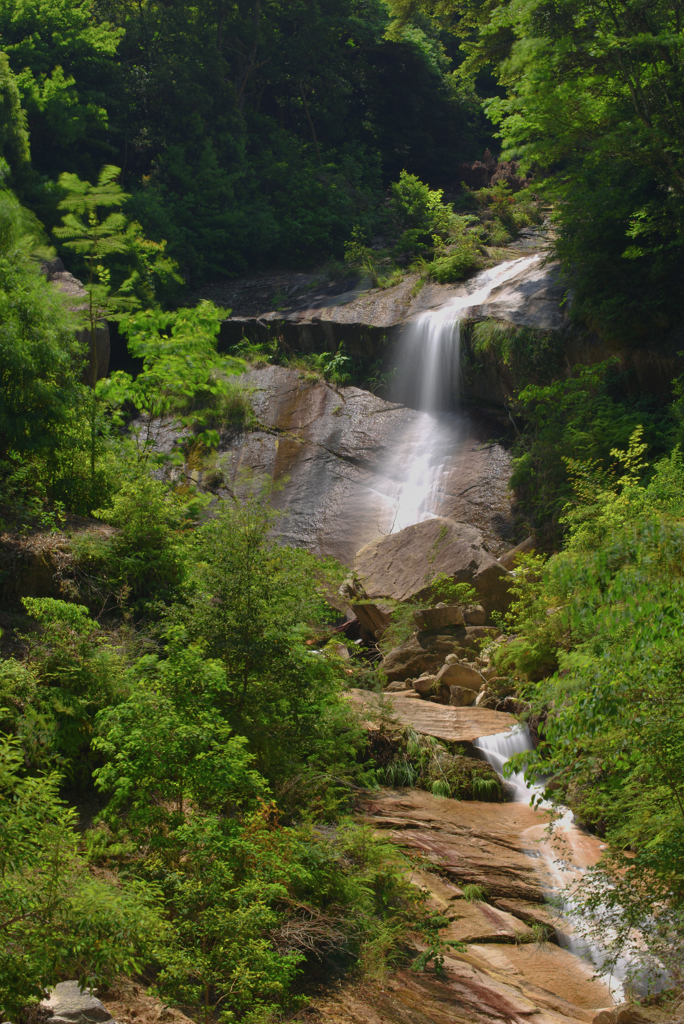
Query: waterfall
point(579, 849)
point(428, 380)
point(498, 749)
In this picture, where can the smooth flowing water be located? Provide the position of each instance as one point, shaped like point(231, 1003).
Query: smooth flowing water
point(428, 380)
point(566, 852)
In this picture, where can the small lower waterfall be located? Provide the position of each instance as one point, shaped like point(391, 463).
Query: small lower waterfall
point(428, 377)
point(578, 849)
point(498, 749)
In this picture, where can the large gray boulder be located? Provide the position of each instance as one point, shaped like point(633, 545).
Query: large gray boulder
point(68, 1003)
point(402, 565)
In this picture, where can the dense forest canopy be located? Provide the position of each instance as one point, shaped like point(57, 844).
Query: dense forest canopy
point(247, 133)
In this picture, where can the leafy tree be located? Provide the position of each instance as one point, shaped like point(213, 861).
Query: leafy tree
point(42, 403)
point(167, 744)
point(143, 564)
point(62, 55)
point(14, 141)
point(227, 898)
point(55, 918)
point(575, 420)
point(76, 672)
point(182, 375)
point(255, 604)
point(592, 91)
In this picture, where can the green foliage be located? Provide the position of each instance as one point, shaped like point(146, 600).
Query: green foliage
point(253, 905)
point(168, 745)
point(44, 441)
point(474, 893)
point(55, 918)
point(70, 672)
point(182, 375)
point(456, 265)
point(424, 762)
point(38, 359)
point(245, 136)
point(445, 588)
point(531, 356)
point(594, 91)
point(419, 217)
point(62, 55)
point(254, 604)
point(14, 141)
point(144, 562)
point(606, 612)
point(574, 419)
point(142, 267)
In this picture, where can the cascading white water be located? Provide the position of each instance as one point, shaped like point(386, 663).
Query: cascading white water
point(428, 364)
point(499, 749)
point(564, 870)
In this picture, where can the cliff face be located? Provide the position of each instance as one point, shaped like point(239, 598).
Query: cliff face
point(531, 310)
point(338, 457)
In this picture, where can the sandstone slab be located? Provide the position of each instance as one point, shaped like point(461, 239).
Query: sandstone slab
point(468, 992)
point(454, 725)
point(478, 922)
point(402, 565)
point(551, 969)
point(467, 841)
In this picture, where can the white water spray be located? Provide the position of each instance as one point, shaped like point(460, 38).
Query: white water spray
point(578, 851)
point(429, 360)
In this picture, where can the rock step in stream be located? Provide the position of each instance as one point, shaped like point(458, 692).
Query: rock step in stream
point(510, 971)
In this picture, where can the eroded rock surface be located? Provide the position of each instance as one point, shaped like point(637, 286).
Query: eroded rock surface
point(336, 452)
point(504, 976)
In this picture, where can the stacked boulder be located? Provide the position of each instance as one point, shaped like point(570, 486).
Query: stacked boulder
point(443, 660)
point(462, 679)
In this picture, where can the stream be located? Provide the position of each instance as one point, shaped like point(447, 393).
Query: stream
point(566, 852)
point(428, 378)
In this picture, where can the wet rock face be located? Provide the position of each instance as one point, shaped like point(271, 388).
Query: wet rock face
point(336, 454)
point(361, 316)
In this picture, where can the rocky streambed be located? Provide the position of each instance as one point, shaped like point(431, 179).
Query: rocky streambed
point(511, 964)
